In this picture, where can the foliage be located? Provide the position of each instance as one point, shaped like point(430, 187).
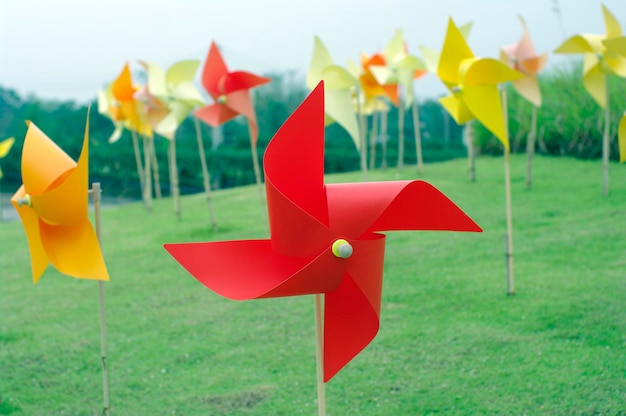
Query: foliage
point(228, 147)
point(451, 342)
point(569, 122)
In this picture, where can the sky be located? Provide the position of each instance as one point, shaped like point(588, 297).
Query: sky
point(68, 49)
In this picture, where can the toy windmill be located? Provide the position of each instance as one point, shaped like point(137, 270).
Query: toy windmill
point(522, 57)
point(406, 68)
point(230, 91)
point(176, 90)
point(52, 204)
point(339, 89)
point(325, 239)
point(601, 58)
point(473, 83)
point(119, 102)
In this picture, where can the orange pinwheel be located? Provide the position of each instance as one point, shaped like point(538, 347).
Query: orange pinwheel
point(120, 103)
point(522, 57)
point(374, 81)
point(52, 203)
point(230, 91)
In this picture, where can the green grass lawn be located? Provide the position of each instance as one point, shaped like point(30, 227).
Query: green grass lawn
point(451, 342)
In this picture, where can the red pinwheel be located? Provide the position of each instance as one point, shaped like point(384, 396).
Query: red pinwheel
point(324, 238)
point(230, 91)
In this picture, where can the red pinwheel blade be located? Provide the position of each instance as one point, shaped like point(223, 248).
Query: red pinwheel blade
point(358, 208)
point(352, 312)
point(214, 69)
point(251, 269)
point(294, 172)
point(241, 80)
point(215, 114)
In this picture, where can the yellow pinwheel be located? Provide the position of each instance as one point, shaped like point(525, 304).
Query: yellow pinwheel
point(52, 204)
point(601, 56)
point(176, 90)
point(338, 90)
point(5, 147)
point(431, 56)
point(473, 83)
point(405, 66)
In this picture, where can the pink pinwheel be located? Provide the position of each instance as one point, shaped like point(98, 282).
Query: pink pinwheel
point(522, 57)
point(324, 238)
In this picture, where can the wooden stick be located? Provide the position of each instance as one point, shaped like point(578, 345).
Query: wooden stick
point(103, 330)
point(174, 177)
point(362, 135)
point(530, 148)
point(471, 158)
point(147, 189)
point(400, 135)
point(373, 137)
point(606, 150)
point(418, 136)
point(155, 170)
point(509, 214)
point(133, 135)
point(206, 178)
point(319, 355)
point(256, 167)
point(384, 138)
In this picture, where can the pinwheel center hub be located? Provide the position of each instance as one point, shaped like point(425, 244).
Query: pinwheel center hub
point(24, 201)
point(342, 249)
point(456, 89)
point(222, 99)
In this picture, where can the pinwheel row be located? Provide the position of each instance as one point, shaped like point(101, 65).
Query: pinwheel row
point(166, 100)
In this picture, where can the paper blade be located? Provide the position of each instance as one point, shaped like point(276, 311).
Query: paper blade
point(352, 311)
point(294, 173)
point(251, 269)
point(38, 257)
point(74, 250)
point(214, 69)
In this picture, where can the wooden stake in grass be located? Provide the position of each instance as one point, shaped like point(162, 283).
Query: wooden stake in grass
point(418, 136)
point(174, 185)
point(206, 178)
point(147, 188)
point(400, 163)
point(384, 138)
point(530, 148)
point(155, 170)
point(373, 138)
point(319, 355)
point(509, 214)
point(96, 193)
point(471, 158)
point(140, 171)
point(256, 167)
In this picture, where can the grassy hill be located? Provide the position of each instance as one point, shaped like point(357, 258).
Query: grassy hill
point(451, 341)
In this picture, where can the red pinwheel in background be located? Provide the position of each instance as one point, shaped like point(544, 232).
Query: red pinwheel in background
point(324, 238)
point(231, 93)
